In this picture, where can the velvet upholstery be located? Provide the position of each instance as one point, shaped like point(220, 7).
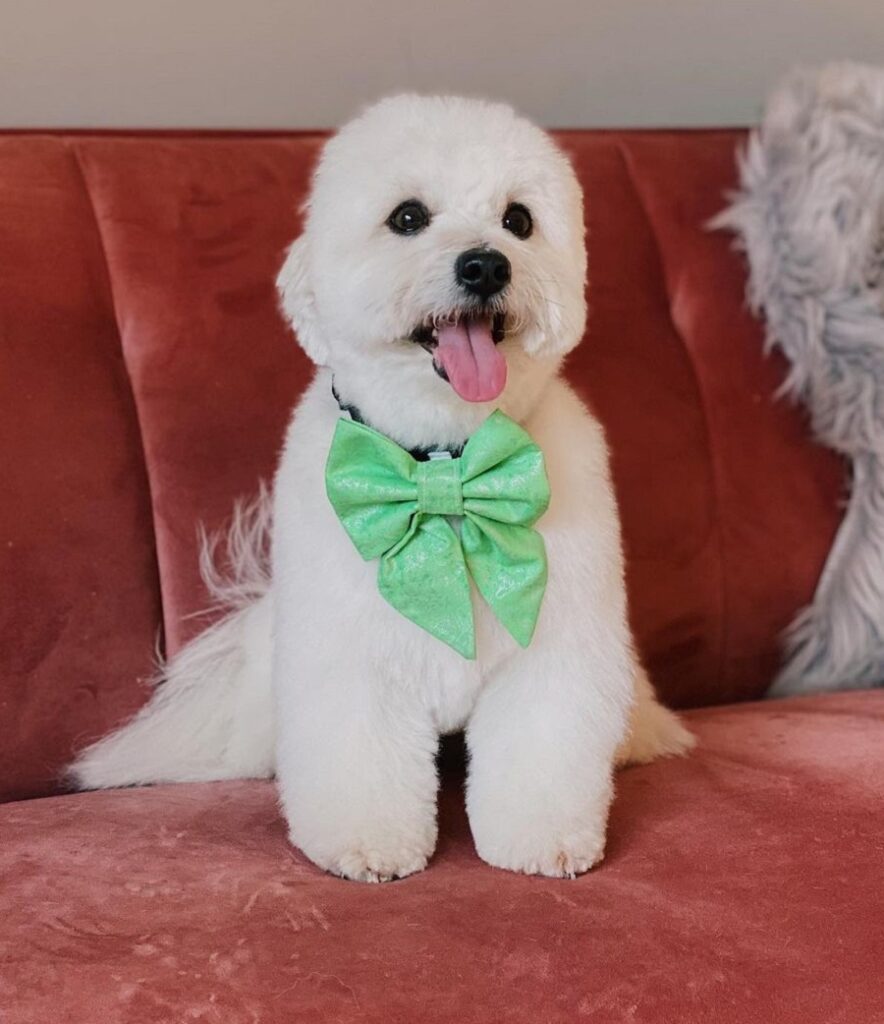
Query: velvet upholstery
point(145, 382)
point(740, 886)
point(148, 377)
point(79, 596)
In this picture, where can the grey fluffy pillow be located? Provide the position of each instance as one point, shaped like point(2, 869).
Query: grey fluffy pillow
point(810, 216)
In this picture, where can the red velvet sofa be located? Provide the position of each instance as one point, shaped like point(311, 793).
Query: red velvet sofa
point(145, 381)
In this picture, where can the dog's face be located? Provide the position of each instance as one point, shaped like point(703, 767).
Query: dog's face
point(442, 265)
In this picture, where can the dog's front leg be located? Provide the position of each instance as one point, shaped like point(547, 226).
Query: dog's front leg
point(542, 741)
point(356, 767)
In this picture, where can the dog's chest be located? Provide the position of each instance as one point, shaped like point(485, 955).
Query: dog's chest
point(452, 684)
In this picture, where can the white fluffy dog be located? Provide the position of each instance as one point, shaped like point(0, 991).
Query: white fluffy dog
point(440, 276)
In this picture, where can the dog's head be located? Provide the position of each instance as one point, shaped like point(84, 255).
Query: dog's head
point(441, 269)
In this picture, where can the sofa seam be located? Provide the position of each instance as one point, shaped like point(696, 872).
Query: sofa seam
point(73, 148)
point(711, 457)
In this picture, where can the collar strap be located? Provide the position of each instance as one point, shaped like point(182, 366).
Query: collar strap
point(418, 454)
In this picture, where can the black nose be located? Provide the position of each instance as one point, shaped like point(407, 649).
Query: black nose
point(484, 272)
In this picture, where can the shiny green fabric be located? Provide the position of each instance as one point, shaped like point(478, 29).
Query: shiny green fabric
point(397, 509)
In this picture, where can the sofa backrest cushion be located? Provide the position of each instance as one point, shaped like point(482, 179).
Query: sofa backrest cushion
point(146, 378)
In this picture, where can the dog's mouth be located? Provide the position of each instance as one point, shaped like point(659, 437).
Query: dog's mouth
point(465, 353)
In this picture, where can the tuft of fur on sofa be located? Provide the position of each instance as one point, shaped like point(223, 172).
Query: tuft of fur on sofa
point(810, 216)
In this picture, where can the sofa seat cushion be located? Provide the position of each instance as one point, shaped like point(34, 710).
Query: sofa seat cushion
point(735, 880)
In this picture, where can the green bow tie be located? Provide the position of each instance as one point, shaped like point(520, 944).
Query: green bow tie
point(395, 508)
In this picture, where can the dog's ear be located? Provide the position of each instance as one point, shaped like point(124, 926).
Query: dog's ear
point(561, 322)
point(299, 303)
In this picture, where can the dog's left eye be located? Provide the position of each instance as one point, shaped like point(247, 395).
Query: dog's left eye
point(409, 217)
point(517, 220)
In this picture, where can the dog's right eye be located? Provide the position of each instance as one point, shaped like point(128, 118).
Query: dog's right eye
point(408, 218)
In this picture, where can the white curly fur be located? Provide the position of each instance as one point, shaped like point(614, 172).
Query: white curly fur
point(359, 695)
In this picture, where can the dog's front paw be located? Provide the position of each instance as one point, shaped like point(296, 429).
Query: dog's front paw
point(556, 857)
point(373, 865)
point(553, 830)
point(376, 859)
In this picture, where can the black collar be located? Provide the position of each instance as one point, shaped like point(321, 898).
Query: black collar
point(418, 454)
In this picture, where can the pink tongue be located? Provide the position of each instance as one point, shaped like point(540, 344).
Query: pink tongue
point(475, 366)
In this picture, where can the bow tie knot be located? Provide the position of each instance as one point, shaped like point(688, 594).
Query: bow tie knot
point(439, 487)
point(396, 509)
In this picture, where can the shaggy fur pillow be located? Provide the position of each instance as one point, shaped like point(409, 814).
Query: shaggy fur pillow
point(810, 216)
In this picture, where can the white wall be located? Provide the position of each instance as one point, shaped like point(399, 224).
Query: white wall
point(266, 63)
